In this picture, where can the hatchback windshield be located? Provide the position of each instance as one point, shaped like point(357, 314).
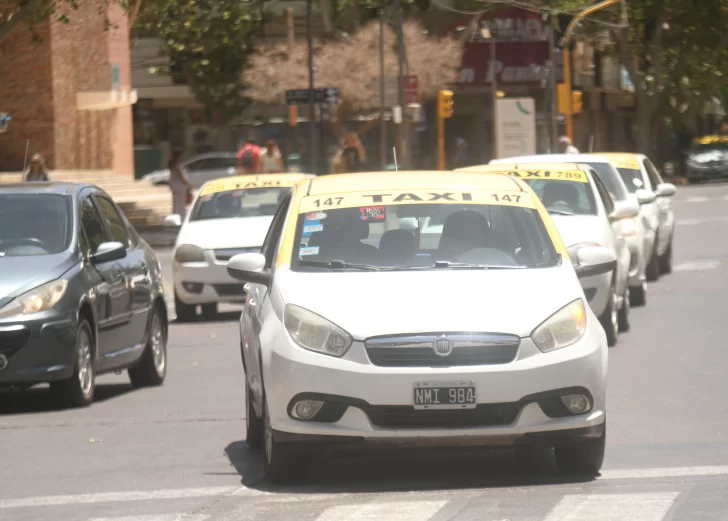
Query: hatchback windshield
point(34, 224)
point(249, 202)
point(632, 179)
point(409, 235)
point(610, 177)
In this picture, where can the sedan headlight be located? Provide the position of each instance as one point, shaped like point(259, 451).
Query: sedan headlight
point(315, 333)
point(629, 226)
point(36, 300)
point(189, 253)
point(562, 329)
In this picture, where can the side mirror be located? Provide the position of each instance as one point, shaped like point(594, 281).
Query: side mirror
point(625, 209)
point(594, 260)
point(666, 190)
point(249, 267)
point(108, 251)
point(645, 196)
point(173, 221)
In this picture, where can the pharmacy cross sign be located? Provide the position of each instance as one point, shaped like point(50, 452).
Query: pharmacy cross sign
point(321, 96)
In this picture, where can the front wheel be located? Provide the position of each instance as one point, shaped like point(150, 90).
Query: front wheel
point(666, 260)
point(184, 312)
point(609, 319)
point(638, 295)
point(254, 426)
point(281, 464)
point(652, 271)
point(584, 459)
point(151, 369)
point(623, 315)
point(78, 391)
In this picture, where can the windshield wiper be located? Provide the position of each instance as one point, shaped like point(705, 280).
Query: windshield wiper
point(560, 212)
point(339, 264)
point(465, 265)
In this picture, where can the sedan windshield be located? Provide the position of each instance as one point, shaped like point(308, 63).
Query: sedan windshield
point(249, 202)
point(34, 224)
point(453, 235)
point(632, 179)
point(610, 177)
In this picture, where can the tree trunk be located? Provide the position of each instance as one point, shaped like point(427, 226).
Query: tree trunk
point(220, 138)
point(28, 9)
point(644, 128)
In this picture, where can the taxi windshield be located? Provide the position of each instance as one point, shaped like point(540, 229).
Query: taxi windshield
point(610, 177)
point(632, 179)
point(230, 204)
point(448, 235)
point(564, 196)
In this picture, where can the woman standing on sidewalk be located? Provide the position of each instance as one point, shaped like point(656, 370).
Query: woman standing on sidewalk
point(36, 170)
point(271, 160)
point(181, 186)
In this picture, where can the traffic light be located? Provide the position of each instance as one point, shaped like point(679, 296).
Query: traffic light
point(445, 104)
point(576, 103)
point(563, 95)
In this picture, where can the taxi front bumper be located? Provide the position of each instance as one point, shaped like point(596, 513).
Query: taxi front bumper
point(364, 404)
point(206, 282)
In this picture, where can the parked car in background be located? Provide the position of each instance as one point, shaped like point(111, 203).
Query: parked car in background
point(707, 158)
point(200, 169)
point(81, 293)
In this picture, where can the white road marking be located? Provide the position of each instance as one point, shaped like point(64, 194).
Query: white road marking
point(695, 199)
point(404, 511)
point(699, 265)
point(698, 222)
point(613, 507)
point(674, 472)
point(162, 517)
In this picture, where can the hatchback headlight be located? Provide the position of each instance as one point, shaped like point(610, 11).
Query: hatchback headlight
point(562, 329)
point(189, 253)
point(315, 333)
point(36, 300)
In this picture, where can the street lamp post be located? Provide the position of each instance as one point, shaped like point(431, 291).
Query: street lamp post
point(311, 100)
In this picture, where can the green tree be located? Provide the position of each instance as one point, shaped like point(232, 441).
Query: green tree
point(209, 43)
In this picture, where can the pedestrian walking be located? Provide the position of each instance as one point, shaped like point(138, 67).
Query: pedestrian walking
point(36, 170)
point(181, 186)
point(271, 160)
point(566, 146)
point(249, 158)
point(354, 153)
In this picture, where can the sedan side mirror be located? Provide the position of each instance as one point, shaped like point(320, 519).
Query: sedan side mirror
point(249, 267)
point(645, 196)
point(594, 260)
point(666, 190)
point(107, 252)
point(173, 221)
point(625, 209)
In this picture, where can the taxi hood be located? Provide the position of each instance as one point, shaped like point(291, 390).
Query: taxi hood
point(382, 303)
point(241, 232)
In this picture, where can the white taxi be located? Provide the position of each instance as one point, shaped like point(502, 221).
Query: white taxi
point(230, 215)
point(368, 333)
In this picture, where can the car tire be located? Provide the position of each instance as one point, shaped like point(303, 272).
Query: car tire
point(666, 260)
point(638, 295)
point(583, 459)
point(151, 369)
point(652, 271)
point(282, 465)
point(610, 320)
point(254, 426)
point(209, 311)
point(78, 391)
point(623, 315)
point(184, 312)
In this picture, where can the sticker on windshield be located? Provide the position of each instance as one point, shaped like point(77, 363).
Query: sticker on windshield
point(309, 250)
point(207, 197)
point(239, 193)
point(316, 216)
point(311, 228)
point(373, 213)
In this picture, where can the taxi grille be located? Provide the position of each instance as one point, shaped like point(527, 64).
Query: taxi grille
point(229, 290)
point(224, 255)
point(468, 349)
point(404, 417)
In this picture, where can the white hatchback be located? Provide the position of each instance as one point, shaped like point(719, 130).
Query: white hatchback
point(367, 332)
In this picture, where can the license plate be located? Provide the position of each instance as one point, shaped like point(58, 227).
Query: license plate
point(445, 395)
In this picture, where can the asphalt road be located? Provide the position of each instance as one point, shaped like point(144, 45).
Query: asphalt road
point(177, 452)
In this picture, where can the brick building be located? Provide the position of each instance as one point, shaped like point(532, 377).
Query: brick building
point(70, 93)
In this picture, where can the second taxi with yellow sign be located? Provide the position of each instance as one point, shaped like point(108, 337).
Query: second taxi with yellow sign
point(420, 307)
point(230, 215)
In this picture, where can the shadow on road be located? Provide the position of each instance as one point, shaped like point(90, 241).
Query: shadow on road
point(227, 316)
point(40, 400)
point(409, 469)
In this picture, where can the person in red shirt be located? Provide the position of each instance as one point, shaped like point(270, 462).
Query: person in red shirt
point(249, 158)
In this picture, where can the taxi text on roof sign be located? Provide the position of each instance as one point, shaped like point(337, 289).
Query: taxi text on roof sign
point(401, 197)
point(244, 182)
point(576, 176)
point(624, 161)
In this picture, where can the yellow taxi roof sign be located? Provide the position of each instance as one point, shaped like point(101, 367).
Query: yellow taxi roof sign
point(622, 159)
point(243, 182)
point(551, 171)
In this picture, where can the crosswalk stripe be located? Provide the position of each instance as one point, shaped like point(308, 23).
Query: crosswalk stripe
point(667, 472)
point(403, 511)
point(163, 517)
point(613, 507)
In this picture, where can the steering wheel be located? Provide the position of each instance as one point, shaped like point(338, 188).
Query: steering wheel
point(32, 241)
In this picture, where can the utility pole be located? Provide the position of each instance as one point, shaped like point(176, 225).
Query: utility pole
point(553, 128)
point(382, 96)
point(401, 128)
point(311, 93)
point(494, 89)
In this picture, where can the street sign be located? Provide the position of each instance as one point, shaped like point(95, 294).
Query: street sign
point(515, 127)
point(411, 90)
point(327, 95)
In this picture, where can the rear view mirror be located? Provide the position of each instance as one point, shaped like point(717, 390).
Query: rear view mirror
point(249, 267)
point(173, 221)
point(625, 209)
point(666, 190)
point(107, 252)
point(594, 260)
point(645, 196)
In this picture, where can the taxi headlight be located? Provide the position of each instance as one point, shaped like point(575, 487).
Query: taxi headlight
point(189, 253)
point(36, 300)
point(562, 329)
point(629, 226)
point(315, 333)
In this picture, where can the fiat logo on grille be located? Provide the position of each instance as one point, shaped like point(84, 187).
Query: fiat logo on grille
point(442, 346)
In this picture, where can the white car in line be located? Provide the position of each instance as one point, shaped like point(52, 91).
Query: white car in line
point(633, 228)
point(584, 214)
point(229, 216)
point(371, 334)
point(642, 179)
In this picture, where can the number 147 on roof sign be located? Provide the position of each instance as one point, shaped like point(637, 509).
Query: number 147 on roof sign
point(321, 96)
